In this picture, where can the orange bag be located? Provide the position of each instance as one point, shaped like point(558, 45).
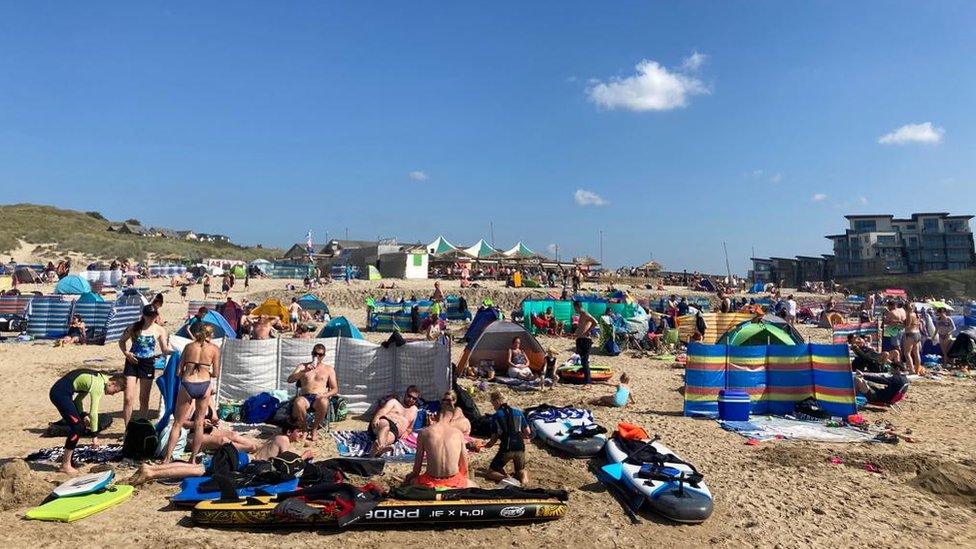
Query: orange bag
point(629, 431)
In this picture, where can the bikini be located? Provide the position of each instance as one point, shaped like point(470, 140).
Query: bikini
point(196, 389)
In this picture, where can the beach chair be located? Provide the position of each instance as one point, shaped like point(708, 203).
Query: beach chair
point(893, 404)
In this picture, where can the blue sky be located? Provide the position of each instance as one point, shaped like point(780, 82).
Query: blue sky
point(683, 124)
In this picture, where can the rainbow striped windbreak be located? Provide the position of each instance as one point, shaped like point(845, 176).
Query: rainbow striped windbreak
point(775, 376)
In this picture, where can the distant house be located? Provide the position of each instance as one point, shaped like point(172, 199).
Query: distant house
point(130, 228)
point(204, 237)
point(186, 235)
point(163, 233)
point(114, 227)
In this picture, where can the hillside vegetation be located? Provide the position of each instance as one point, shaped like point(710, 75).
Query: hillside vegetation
point(87, 234)
point(954, 284)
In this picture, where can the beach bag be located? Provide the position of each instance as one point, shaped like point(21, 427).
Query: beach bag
point(808, 409)
point(259, 408)
point(140, 440)
point(338, 409)
point(611, 347)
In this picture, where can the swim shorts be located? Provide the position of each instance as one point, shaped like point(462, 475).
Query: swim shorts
point(144, 368)
point(501, 459)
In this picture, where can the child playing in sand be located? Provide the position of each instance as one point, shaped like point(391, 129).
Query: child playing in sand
point(620, 398)
point(550, 371)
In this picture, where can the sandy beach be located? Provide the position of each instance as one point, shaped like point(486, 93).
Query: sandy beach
point(776, 494)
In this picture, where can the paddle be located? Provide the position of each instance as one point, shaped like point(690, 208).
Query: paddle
point(618, 493)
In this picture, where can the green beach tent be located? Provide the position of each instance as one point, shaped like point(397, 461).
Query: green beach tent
point(760, 332)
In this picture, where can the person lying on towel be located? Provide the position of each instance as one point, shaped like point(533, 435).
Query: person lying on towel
point(880, 389)
point(442, 444)
point(290, 434)
point(393, 421)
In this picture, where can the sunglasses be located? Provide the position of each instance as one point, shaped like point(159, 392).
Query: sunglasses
point(318, 354)
point(412, 397)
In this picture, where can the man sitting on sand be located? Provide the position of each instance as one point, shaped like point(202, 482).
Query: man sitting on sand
point(276, 446)
point(393, 421)
point(867, 359)
point(442, 445)
point(317, 383)
point(881, 389)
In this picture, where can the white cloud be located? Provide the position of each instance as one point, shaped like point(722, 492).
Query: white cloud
point(694, 62)
point(588, 198)
point(913, 133)
point(758, 173)
point(863, 200)
point(818, 197)
point(418, 175)
point(653, 88)
point(552, 248)
point(776, 178)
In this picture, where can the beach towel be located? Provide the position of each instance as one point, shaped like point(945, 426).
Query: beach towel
point(771, 427)
point(359, 443)
point(518, 384)
point(549, 413)
point(83, 454)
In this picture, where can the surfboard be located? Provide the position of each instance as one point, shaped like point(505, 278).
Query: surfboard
point(555, 433)
point(72, 508)
point(190, 493)
point(85, 484)
point(258, 511)
point(676, 501)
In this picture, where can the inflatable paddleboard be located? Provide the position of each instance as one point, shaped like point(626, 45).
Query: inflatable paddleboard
point(575, 373)
point(72, 508)
point(85, 484)
point(259, 512)
point(674, 500)
point(190, 493)
point(553, 429)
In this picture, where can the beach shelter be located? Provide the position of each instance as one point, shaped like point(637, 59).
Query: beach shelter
point(759, 332)
point(757, 288)
point(310, 302)
point(484, 317)
point(216, 320)
point(26, 275)
point(90, 297)
point(262, 265)
point(480, 250)
point(340, 327)
point(520, 251)
point(439, 246)
point(131, 296)
point(73, 285)
point(272, 307)
point(493, 344)
point(372, 273)
point(238, 271)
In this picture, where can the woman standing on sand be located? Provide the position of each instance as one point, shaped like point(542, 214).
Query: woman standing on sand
point(146, 336)
point(911, 342)
point(199, 367)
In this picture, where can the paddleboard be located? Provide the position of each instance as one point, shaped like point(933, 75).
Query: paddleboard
point(684, 503)
point(190, 493)
point(72, 508)
point(555, 433)
point(85, 484)
point(575, 373)
point(258, 511)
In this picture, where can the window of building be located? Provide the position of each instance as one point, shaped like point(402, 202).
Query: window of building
point(865, 225)
point(887, 239)
point(930, 225)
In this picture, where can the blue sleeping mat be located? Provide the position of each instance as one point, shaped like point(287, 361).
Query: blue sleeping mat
point(190, 494)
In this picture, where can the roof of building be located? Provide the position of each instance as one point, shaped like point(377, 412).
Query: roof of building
point(867, 216)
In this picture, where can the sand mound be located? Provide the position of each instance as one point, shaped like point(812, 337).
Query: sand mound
point(19, 486)
point(952, 482)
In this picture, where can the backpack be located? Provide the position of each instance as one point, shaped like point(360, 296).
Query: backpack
point(140, 440)
point(258, 408)
point(338, 409)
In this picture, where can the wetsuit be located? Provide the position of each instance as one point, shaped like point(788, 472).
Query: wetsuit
point(68, 393)
point(509, 424)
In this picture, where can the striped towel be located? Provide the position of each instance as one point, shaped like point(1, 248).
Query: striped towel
point(358, 444)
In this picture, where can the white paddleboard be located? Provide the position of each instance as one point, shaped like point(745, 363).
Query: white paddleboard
point(556, 434)
point(85, 484)
point(680, 503)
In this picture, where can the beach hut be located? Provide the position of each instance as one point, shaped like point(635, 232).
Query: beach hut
point(73, 285)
